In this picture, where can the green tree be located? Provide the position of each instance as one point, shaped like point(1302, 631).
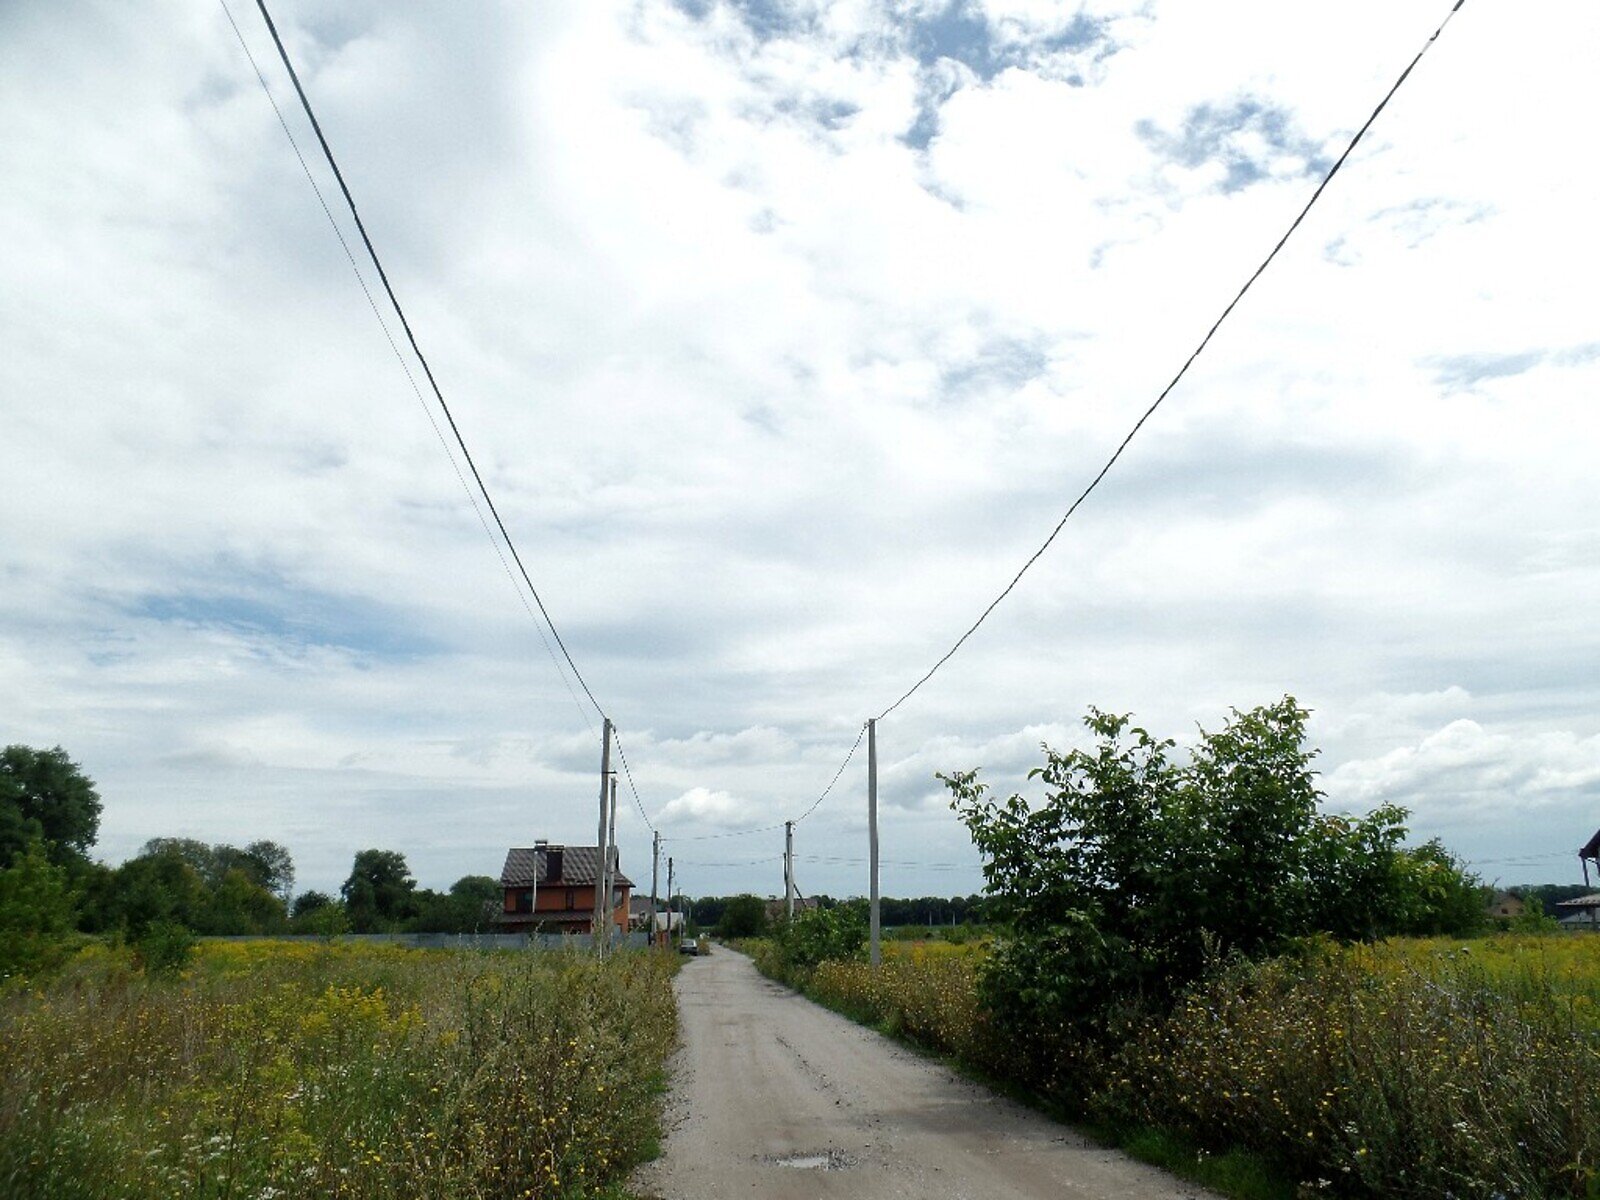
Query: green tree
point(271, 867)
point(309, 902)
point(743, 916)
point(1437, 894)
point(476, 899)
point(37, 910)
point(45, 795)
point(154, 889)
point(200, 857)
point(240, 905)
point(380, 892)
point(319, 913)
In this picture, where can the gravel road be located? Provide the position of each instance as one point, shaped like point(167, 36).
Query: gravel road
point(775, 1097)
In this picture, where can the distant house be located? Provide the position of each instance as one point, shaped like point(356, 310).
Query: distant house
point(1505, 906)
point(776, 908)
point(550, 889)
point(639, 912)
point(1582, 913)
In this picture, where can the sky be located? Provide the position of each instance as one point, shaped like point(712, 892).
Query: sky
point(783, 333)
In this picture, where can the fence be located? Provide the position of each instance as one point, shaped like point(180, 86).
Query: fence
point(454, 941)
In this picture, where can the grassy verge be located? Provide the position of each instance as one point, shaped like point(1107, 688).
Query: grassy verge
point(267, 1071)
point(1414, 1068)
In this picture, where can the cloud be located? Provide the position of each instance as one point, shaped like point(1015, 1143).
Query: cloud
point(784, 333)
point(1248, 140)
point(703, 806)
point(1463, 774)
point(1467, 370)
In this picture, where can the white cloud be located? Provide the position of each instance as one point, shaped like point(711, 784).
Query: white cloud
point(702, 806)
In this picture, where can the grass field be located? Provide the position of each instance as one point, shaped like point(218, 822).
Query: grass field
point(1418, 1068)
point(269, 1070)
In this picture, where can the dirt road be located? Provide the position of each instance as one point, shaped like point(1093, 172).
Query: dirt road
point(775, 1097)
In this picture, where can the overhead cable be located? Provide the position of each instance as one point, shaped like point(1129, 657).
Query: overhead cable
point(1217, 324)
point(713, 837)
point(861, 733)
point(411, 337)
point(627, 771)
point(455, 466)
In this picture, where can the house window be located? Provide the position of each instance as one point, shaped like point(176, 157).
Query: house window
point(525, 900)
point(572, 898)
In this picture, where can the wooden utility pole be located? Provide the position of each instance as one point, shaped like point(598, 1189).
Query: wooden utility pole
point(655, 867)
point(610, 865)
point(875, 951)
point(669, 901)
point(788, 869)
point(600, 838)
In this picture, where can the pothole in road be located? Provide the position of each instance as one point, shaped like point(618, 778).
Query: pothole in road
point(827, 1160)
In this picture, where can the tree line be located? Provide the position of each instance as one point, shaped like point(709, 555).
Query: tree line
point(176, 888)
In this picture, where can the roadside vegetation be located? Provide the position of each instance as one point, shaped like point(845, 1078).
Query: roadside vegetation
point(267, 1070)
point(1194, 958)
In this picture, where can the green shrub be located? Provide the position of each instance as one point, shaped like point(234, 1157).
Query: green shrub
point(164, 948)
point(1138, 873)
point(818, 935)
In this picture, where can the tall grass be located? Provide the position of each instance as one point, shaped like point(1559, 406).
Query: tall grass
point(1406, 1069)
point(269, 1070)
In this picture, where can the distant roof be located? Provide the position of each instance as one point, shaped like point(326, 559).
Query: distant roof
point(1592, 900)
point(580, 866)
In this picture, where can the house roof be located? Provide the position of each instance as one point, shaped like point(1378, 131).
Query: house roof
point(580, 867)
point(1592, 900)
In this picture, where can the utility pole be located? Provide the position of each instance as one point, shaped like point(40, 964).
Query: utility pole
point(669, 901)
point(788, 869)
point(610, 861)
point(655, 867)
point(600, 838)
point(875, 953)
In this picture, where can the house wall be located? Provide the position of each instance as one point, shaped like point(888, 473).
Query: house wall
point(553, 898)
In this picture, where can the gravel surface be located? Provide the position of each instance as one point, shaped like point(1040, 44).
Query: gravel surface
point(773, 1096)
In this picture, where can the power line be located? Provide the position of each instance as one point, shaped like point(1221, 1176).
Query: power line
point(1139, 424)
point(405, 324)
point(837, 861)
point(405, 366)
point(627, 772)
point(861, 733)
point(733, 833)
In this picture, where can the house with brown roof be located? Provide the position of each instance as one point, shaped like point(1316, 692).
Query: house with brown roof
point(1504, 906)
point(550, 889)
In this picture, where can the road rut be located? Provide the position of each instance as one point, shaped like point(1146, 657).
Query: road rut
point(773, 1096)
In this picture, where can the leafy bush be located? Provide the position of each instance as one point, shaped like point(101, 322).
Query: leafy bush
point(164, 948)
point(821, 935)
point(1137, 874)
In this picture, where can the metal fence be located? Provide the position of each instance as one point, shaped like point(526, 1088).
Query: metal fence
point(455, 941)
